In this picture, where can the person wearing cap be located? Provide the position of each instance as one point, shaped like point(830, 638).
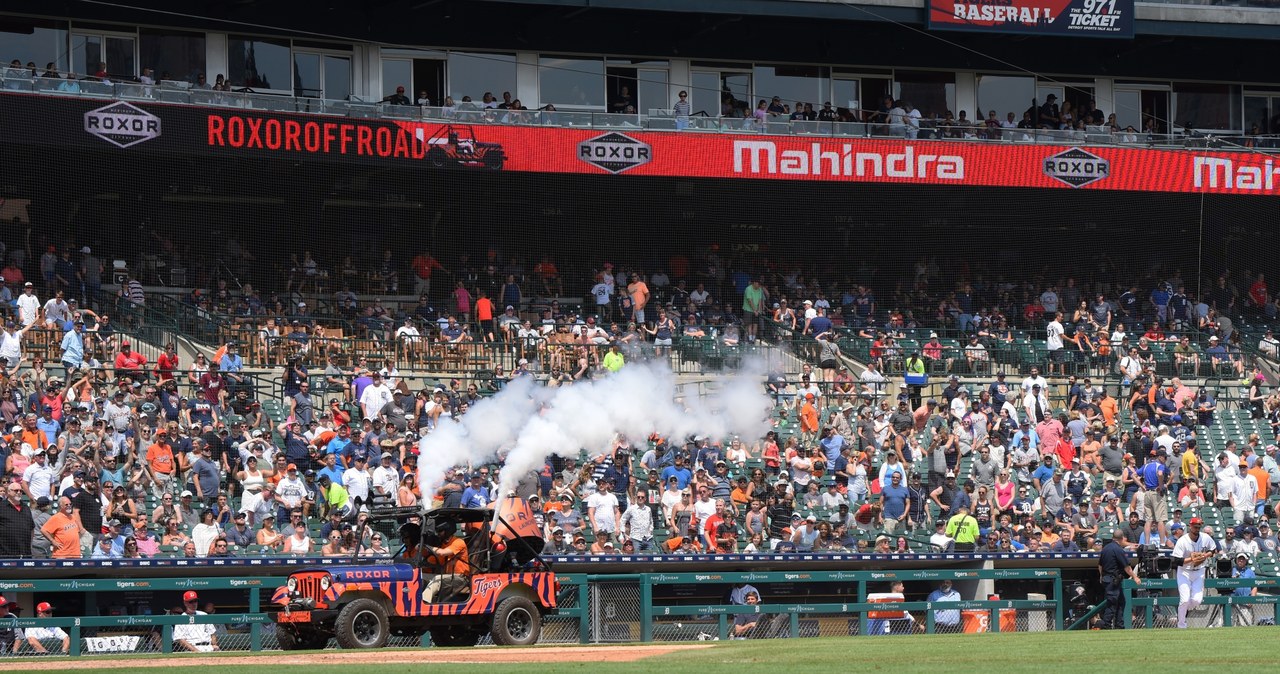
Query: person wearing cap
point(477, 495)
point(130, 363)
point(39, 638)
point(1190, 554)
point(1113, 568)
point(73, 347)
point(337, 503)
point(1154, 479)
point(1244, 493)
point(194, 637)
point(397, 98)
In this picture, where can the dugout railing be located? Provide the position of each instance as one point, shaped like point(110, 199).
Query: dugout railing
point(1154, 604)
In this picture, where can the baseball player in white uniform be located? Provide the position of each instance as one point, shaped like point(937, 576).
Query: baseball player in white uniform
point(1192, 551)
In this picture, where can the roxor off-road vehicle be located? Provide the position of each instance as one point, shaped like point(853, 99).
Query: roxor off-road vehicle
point(503, 588)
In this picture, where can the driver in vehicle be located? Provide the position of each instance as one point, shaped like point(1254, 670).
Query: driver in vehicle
point(448, 562)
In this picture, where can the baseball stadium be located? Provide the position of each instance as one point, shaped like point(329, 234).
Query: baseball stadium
point(651, 336)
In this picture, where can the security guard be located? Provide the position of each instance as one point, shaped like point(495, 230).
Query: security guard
point(963, 529)
point(1114, 567)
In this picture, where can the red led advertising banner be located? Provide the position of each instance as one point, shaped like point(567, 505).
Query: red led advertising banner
point(127, 129)
point(1078, 18)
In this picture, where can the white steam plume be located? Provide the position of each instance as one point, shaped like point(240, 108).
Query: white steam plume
point(529, 423)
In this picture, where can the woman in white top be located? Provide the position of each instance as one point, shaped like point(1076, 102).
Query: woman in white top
point(299, 543)
point(198, 368)
point(252, 480)
point(204, 533)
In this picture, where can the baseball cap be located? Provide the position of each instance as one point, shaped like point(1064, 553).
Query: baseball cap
point(292, 466)
point(187, 494)
point(190, 595)
point(43, 606)
point(1196, 520)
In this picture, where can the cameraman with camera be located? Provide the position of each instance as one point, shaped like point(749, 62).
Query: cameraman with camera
point(1114, 567)
point(1190, 553)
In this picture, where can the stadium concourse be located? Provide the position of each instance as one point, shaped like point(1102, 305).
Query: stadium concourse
point(1057, 398)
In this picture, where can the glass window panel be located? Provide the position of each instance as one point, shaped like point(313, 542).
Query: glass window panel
point(651, 88)
point(575, 83)
point(173, 56)
point(1256, 113)
point(259, 63)
point(705, 96)
point(1005, 95)
point(86, 51)
point(1206, 106)
point(306, 75)
point(38, 41)
point(337, 78)
point(474, 74)
point(933, 94)
point(396, 73)
point(792, 84)
point(1129, 109)
point(844, 94)
point(120, 57)
point(738, 85)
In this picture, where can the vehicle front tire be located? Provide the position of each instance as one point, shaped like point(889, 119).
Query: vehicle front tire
point(517, 622)
point(362, 624)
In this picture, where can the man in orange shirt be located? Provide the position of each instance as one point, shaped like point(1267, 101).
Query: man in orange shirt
point(1109, 409)
point(809, 419)
point(31, 434)
point(484, 315)
point(63, 531)
point(160, 464)
point(1264, 482)
point(448, 563)
point(639, 293)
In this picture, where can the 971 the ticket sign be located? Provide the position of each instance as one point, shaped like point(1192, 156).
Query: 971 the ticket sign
point(1087, 18)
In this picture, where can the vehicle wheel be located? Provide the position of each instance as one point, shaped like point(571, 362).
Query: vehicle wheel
point(516, 623)
point(304, 640)
point(455, 635)
point(493, 164)
point(362, 624)
point(437, 158)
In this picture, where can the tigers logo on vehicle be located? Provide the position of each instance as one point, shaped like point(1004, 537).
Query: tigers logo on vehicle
point(483, 587)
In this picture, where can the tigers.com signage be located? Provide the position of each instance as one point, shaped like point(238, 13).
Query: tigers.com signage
point(1080, 18)
point(232, 135)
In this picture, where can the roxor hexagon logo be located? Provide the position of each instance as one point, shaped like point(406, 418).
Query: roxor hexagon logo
point(1076, 167)
point(615, 152)
point(122, 124)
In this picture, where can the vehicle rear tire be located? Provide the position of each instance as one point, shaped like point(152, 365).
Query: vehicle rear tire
point(517, 622)
point(362, 624)
point(438, 158)
point(303, 640)
point(455, 636)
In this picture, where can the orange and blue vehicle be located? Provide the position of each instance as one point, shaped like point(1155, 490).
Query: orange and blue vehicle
point(503, 589)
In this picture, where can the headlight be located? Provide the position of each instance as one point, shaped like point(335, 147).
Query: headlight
point(292, 584)
point(325, 582)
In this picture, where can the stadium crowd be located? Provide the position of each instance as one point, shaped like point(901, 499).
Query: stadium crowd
point(112, 455)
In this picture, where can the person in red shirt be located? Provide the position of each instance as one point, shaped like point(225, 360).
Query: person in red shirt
point(1066, 451)
point(167, 363)
point(423, 264)
point(129, 363)
point(1258, 295)
point(484, 315)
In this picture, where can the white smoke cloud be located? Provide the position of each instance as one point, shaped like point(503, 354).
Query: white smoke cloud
point(528, 422)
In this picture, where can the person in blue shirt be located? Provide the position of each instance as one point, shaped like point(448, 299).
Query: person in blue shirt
point(1241, 569)
point(1043, 474)
point(1204, 406)
point(48, 425)
point(832, 445)
point(340, 445)
point(232, 366)
point(476, 495)
point(677, 471)
point(73, 347)
point(331, 469)
point(895, 499)
point(1026, 431)
point(946, 620)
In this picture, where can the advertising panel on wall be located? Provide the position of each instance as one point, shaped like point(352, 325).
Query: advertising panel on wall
point(1076, 18)
point(136, 128)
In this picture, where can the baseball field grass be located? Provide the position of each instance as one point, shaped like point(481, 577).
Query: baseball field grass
point(1193, 651)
